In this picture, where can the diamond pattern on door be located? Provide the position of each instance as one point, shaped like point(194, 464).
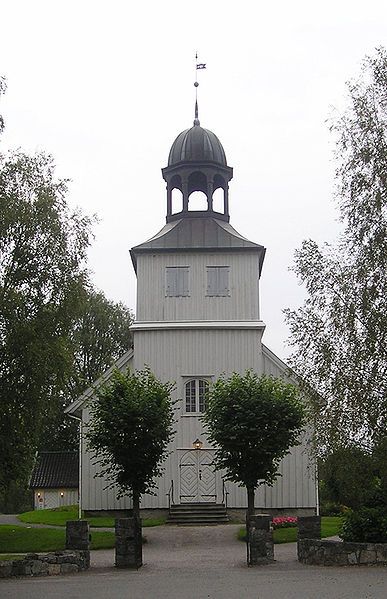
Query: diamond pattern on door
point(197, 477)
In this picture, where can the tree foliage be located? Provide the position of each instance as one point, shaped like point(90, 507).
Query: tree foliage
point(348, 477)
point(131, 425)
point(252, 421)
point(42, 252)
point(3, 87)
point(56, 332)
point(98, 336)
point(339, 335)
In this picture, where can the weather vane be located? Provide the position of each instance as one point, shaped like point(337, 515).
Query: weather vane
point(199, 66)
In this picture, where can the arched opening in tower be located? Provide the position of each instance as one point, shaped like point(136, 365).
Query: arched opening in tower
point(218, 197)
point(197, 201)
point(218, 200)
point(177, 200)
point(176, 194)
point(197, 191)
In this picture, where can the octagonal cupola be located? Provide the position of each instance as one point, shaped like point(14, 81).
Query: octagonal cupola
point(197, 166)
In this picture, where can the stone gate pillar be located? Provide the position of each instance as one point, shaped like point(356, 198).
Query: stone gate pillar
point(78, 539)
point(260, 545)
point(128, 543)
point(309, 527)
point(78, 535)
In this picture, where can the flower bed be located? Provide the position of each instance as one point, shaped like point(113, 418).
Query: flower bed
point(284, 522)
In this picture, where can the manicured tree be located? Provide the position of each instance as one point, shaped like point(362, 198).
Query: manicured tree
point(130, 427)
point(252, 421)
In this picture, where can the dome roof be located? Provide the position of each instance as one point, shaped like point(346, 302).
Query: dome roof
point(197, 145)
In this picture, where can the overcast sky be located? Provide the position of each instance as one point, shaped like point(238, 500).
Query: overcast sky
point(105, 87)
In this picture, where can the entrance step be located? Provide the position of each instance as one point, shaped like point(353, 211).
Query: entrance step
point(197, 513)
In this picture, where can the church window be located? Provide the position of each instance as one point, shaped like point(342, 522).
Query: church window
point(196, 395)
point(218, 281)
point(177, 281)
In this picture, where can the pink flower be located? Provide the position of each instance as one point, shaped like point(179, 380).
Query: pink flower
point(284, 521)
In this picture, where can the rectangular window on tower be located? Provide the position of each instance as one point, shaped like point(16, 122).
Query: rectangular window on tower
point(218, 281)
point(177, 281)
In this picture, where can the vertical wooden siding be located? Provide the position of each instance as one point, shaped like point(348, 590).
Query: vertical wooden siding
point(241, 304)
point(196, 354)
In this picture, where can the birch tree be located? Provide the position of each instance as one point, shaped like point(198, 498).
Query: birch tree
point(339, 335)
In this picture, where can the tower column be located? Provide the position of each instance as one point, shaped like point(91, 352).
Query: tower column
point(185, 195)
point(226, 200)
point(169, 201)
point(210, 191)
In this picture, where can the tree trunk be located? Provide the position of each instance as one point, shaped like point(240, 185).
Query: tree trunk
point(249, 512)
point(136, 505)
point(250, 502)
point(250, 506)
point(138, 529)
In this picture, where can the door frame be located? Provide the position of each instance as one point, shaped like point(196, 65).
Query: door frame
point(196, 455)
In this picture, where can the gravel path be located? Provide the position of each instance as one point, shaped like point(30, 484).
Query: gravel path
point(203, 563)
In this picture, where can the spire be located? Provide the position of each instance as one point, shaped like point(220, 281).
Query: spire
point(199, 66)
point(196, 121)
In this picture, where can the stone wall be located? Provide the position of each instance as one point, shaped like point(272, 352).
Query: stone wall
point(60, 562)
point(337, 553)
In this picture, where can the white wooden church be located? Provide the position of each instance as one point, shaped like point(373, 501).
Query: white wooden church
point(198, 316)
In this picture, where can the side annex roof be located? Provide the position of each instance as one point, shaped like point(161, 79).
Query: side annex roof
point(55, 470)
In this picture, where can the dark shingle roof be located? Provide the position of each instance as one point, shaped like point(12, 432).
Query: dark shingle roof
point(196, 145)
point(197, 234)
point(55, 469)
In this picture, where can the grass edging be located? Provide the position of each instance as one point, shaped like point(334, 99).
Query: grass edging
point(23, 539)
point(59, 517)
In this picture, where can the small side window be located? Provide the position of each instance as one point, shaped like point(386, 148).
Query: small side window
point(218, 281)
point(177, 281)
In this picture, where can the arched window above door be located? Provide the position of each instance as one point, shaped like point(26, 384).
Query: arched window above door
point(195, 395)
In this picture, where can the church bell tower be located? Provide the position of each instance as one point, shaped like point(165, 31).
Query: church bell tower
point(197, 162)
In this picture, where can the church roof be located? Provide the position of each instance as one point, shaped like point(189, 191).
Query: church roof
point(198, 233)
point(197, 145)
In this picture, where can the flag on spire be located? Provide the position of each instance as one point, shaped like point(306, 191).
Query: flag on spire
point(201, 65)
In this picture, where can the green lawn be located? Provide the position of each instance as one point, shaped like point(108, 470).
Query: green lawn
point(330, 526)
point(59, 517)
point(14, 539)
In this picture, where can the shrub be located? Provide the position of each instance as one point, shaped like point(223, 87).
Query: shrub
point(366, 525)
point(330, 508)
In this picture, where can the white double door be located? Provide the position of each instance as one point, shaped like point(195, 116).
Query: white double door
point(197, 477)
